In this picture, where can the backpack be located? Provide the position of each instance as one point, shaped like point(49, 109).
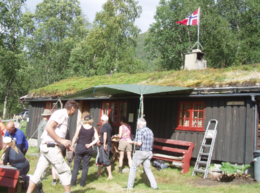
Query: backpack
point(159, 164)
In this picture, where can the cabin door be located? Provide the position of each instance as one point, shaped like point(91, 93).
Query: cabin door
point(84, 107)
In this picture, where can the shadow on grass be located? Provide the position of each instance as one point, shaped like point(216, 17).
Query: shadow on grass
point(174, 167)
point(144, 179)
point(83, 191)
point(91, 177)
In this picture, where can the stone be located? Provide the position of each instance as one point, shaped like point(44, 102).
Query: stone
point(126, 170)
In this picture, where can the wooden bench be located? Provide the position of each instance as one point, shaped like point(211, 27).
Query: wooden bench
point(9, 177)
point(183, 157)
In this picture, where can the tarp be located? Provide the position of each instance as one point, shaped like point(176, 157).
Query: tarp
point(107, 90)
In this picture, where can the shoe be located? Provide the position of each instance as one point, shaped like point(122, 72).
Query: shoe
point(54, 183)
point(120, 170)
point(156, 188)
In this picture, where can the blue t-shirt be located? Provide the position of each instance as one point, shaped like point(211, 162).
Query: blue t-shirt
point(19, 138)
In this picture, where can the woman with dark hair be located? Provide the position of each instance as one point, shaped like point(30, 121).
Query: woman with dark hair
point(83, 150)
point(125, 135)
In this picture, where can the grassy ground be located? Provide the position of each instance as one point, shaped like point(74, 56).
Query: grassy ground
point(169, 180)
point(23, 126)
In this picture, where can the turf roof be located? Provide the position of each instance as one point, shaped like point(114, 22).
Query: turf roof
point(244, 75)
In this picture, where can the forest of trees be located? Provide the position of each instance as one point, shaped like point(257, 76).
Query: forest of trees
point(57, 41)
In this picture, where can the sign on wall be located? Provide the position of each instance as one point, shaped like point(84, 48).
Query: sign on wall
point(236, 103)
point(131, 117)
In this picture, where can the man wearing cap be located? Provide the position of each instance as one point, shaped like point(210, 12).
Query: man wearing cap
point(143, 154)
point(18, 136)
point(50, 154)
point(46, 116)
point(106, 143)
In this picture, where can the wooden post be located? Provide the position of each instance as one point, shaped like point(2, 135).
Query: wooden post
point(142, 107)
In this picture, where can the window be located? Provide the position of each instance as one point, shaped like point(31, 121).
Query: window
point(49, 105)
point(191, 116)
point(114, 110)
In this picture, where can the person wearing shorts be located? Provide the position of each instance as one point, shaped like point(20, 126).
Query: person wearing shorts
point(125, 135)
point(53, 171)
point(106, 143)
point(50, 153)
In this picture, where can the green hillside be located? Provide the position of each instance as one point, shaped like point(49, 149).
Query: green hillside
point(140, 47)
point(141, 54)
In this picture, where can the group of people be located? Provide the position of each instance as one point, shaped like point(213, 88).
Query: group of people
point(52, 132)
point(15, 146)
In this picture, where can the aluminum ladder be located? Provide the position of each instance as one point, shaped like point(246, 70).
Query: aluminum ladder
point(202, 166)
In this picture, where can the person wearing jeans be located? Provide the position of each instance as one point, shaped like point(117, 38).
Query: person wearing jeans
point(143, 154)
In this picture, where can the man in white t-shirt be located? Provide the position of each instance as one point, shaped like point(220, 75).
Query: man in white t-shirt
point(50, 153)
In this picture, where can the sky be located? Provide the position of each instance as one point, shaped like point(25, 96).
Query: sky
point(90, 7)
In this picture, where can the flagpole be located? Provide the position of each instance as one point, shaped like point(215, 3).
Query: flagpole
point(198, 41)
point(198, 30)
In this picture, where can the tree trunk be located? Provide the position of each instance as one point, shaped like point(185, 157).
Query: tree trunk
point(181, 51)
point(8, 86)
point(10, 109)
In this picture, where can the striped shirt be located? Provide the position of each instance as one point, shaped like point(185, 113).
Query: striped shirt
point(145, 135)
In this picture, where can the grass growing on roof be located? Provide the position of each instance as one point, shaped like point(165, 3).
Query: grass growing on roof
point(235, 75)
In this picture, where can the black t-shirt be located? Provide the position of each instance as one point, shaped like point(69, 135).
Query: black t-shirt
point(106, 128)
point(15, 159)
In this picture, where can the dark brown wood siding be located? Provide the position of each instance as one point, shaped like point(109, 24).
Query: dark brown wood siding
point(72, 125)
point(234, 142)
point(95, 107)
point(132, 107)
point(35, 111)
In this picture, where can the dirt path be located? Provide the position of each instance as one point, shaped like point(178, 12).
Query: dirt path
point(212, 182)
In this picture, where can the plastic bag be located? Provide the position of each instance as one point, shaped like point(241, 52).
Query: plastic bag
point(159, 164)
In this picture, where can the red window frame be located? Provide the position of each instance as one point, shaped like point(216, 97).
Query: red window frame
point(49, 105)
point(114, 110)
point(190, 116)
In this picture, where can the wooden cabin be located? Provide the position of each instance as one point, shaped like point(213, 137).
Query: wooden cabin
point(178, 116)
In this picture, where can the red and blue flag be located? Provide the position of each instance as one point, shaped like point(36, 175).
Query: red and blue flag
point(193, 19)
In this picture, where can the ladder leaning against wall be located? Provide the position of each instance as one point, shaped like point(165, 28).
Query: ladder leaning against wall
point(205, 153)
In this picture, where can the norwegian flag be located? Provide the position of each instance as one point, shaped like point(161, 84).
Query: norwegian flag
point(193, 19)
